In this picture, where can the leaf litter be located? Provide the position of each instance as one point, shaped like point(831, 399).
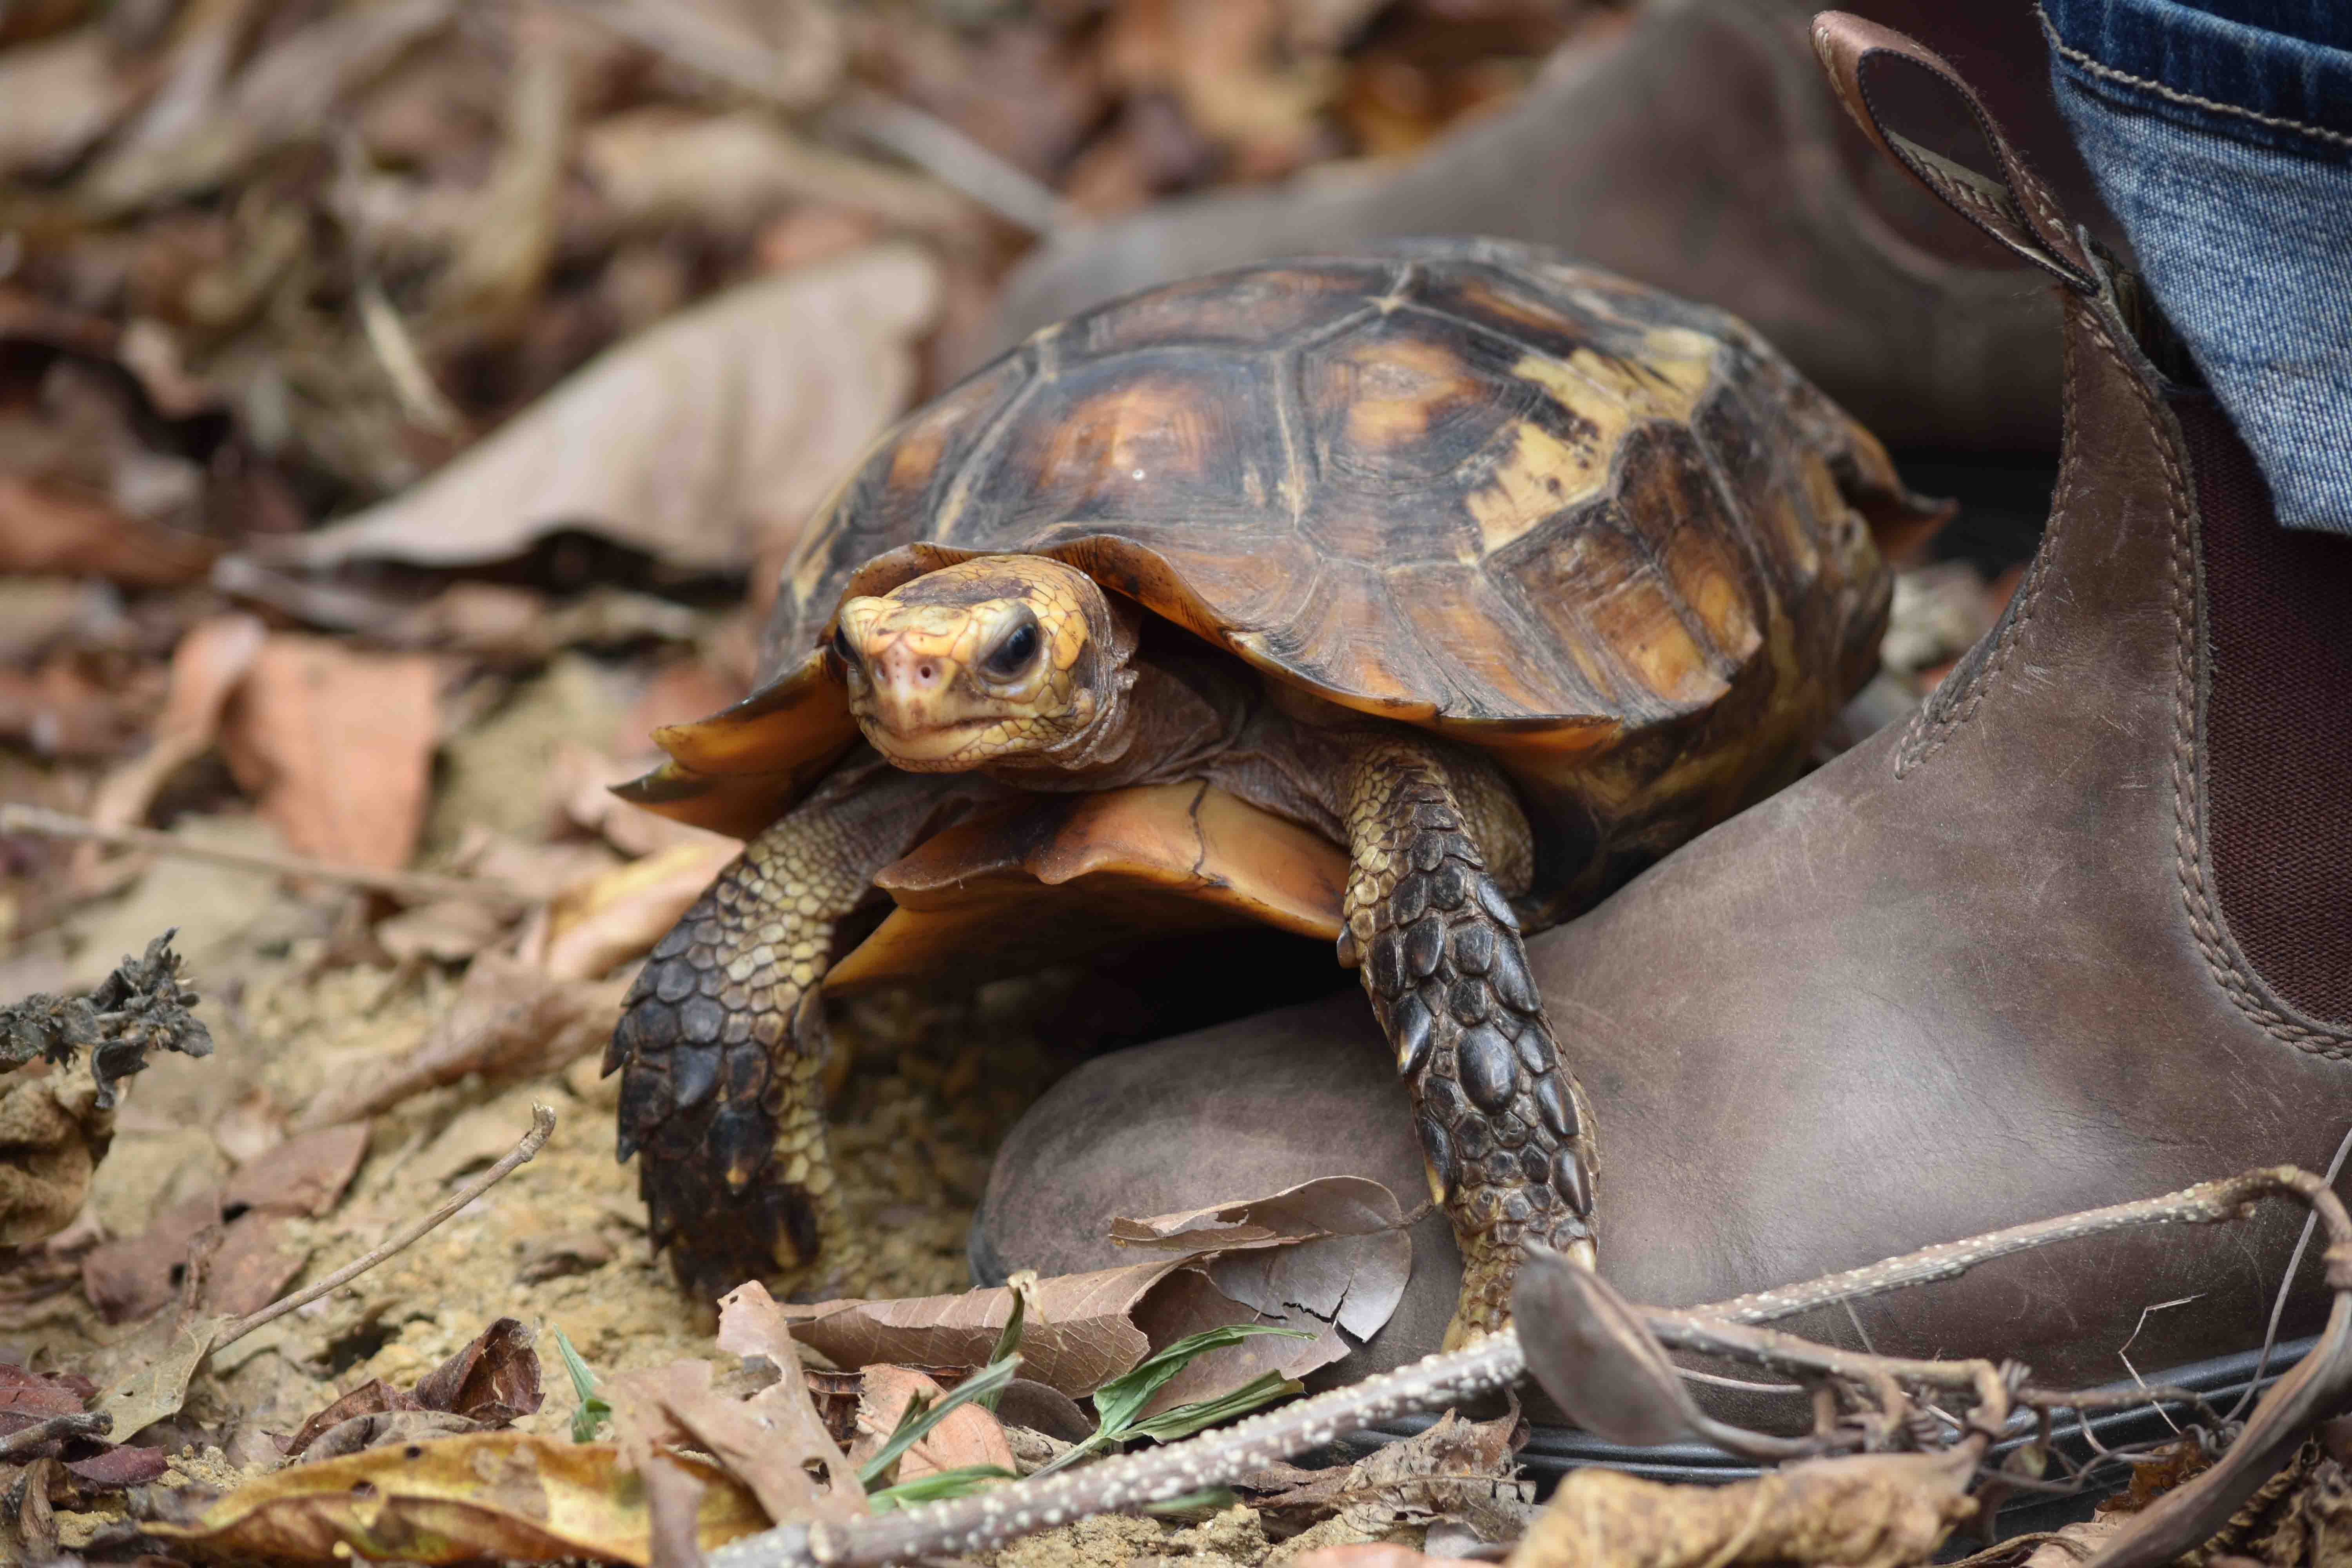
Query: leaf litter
point(403, 406)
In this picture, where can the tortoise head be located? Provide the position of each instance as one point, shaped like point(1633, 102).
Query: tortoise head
point(999, 658)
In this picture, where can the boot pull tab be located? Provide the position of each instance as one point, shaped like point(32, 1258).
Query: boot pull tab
point(2016, 209)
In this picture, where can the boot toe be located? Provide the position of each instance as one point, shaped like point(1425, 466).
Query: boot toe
point(1239, 1112)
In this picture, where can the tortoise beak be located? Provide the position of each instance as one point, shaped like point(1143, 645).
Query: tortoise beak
point(914, 707)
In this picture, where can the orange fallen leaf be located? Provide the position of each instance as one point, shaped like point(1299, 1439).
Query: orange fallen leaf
point(338, 747)
point(967, 1435)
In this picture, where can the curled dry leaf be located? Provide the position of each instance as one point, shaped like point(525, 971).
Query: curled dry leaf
point(1275, 1259)
point(52, 1136)
point(509, 1020)
point(701, 441)
point(1457, 1469)
point(759, 1440)
point(1866, 1510)
point(338, 746)
point(750, 1324)
point(460, 1499)
point(967, 1435)
point(491, 1383)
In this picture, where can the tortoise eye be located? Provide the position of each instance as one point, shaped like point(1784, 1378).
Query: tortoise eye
point(1013, 655)
point(841, 648)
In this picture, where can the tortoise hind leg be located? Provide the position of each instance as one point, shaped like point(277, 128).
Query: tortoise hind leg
point(721, 1047)
point(1434, 841)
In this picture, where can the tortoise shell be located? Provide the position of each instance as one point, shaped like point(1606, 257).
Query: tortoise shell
point(1460, 484)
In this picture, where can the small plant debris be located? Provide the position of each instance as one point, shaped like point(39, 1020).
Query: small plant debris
point(146, 1005)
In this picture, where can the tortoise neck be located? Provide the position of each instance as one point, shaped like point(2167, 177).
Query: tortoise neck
point(1162, 718)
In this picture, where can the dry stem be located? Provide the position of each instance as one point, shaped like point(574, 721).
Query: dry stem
point(410, 887)
point(93, 1424)
point(542, 1124)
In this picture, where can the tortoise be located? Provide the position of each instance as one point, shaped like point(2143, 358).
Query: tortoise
point(1413, 599)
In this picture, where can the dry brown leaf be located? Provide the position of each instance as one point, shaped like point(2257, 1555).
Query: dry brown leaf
point(700, 441)
point(28, 1396)
point(755, 1440)
point(62, 95)
point(750, 1324)
point(509, 1020)
point(492, 1381)
point(1456, 1470)
point(160, 1385)
point(967, 1435)
point(1078, 1333)
point(1271, 1260)
point(303, 1176)
point(460, 1499)
point(619, 915)
point(1863, 1510)
point(134, 1276)
point(44, 529)
point(338, 747)
point(252, 1267)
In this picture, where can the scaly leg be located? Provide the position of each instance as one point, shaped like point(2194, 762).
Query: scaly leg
point(721, 1045)
point(1504, 1126)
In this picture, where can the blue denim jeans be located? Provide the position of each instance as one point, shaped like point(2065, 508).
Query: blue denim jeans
point(2220, 135)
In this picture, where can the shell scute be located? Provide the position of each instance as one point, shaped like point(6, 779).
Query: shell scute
point(1131, 437)
point(1252, 309)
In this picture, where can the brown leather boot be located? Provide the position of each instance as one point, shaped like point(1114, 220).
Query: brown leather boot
point(2079, 931)
point(1696, 150)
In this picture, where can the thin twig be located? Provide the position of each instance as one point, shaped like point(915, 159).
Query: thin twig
point(410, 887)
point(542, 1124)
point(951, 157)
point(90, 1423)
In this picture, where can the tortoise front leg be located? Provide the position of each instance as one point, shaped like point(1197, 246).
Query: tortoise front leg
point(721, 1045)
point(1435, 842)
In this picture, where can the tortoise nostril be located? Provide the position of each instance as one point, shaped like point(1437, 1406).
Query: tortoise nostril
point(926, 673)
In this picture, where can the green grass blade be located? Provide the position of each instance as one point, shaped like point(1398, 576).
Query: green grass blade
point(592, 1412)
point(1008, 1342)
point(1117, 1402)
point(1183, 1420)
point(937, 1486)
point(915, 1424)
